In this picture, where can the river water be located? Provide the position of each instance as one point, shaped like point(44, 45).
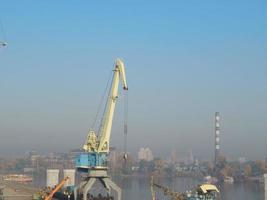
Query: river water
point(138, 188)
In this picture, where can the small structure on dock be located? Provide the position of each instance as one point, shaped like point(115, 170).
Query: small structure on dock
point(52, 176)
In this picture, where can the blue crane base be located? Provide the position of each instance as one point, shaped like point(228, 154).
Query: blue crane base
point(95, 165)
point(88, 161)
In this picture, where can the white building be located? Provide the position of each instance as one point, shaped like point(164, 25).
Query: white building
point(114, 159)
point(52, 177)
point(242, 160)
point(145, 154)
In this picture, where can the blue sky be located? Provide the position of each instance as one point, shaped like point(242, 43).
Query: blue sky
point(184, 61)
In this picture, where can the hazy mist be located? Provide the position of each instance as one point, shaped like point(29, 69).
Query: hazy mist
point(55, 69)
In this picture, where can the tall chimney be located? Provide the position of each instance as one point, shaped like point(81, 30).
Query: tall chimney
point(217, 138)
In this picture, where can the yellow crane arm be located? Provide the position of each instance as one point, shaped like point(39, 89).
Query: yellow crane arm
point(119, 73)
point(100, 143)
point(60, 185)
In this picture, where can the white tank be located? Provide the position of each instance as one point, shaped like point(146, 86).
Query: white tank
point(52, 177)
point(71, 174)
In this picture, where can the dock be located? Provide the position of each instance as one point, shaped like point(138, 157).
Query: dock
point(16, 191)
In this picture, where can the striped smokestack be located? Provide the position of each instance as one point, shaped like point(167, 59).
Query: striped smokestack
point(217, 137)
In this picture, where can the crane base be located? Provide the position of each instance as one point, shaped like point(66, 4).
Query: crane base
point(82, 190)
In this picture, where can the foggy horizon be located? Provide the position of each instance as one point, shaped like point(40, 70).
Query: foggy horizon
point(56, 66)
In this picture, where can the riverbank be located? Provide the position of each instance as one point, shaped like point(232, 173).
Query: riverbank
point(17, 191)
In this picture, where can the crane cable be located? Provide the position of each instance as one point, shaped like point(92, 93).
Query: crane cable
point(105, 107)
point(101, 103)
point(125, 131)
point(2, 30)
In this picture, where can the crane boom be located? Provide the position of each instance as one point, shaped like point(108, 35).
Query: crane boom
point(101, 143)
point(119, 73)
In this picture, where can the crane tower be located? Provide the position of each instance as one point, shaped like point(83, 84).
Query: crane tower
point(93, 162)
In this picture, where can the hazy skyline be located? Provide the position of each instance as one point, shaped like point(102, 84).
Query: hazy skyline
point(184, 61)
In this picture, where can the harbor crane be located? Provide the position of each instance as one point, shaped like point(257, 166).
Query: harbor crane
point(93, 161)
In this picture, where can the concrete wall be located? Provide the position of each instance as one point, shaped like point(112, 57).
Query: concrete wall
point(52, 176)
point(71, 174)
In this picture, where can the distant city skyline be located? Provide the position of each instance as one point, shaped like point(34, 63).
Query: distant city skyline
point(145, 154)
point(184, 61)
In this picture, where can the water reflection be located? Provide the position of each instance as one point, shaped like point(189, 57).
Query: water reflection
point(246, 191)
point(139, 187)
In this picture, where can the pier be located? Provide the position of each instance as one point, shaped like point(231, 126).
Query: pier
point(15, 191)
